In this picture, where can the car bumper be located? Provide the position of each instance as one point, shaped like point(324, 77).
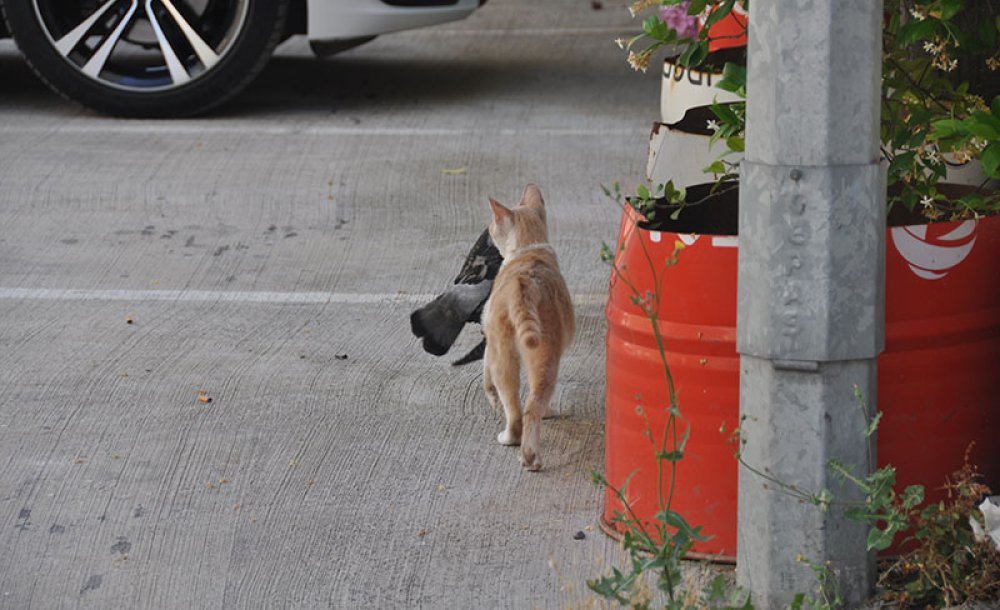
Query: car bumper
point(336, 19)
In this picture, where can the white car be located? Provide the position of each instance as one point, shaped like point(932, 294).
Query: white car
point(170, 58)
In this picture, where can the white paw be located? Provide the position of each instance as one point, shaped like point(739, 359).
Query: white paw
point(508, 438)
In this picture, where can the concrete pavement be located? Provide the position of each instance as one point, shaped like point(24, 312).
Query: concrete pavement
point(269, 255)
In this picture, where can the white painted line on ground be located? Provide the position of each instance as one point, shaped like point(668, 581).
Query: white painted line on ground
point(76, 294)
point(172, 128)
point(195, 296)
point(604, 30)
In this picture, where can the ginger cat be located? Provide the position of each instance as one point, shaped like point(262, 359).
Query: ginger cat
point(528, 318)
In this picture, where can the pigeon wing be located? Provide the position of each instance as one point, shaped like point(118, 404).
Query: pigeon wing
point(440, 321)
point(482, 262)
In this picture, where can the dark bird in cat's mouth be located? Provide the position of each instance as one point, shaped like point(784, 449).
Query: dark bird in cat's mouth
point(439, 322)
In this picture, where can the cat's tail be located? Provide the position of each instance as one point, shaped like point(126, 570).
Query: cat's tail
point(525, 315)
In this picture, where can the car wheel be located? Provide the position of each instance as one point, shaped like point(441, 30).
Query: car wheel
point(146, 58)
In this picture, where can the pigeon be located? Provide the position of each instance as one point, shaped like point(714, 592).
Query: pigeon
point(439, 322)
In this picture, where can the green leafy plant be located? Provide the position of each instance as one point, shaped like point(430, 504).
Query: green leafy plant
point(827, 593)
point(932, 118)
point(979, 130)
point(947, 566)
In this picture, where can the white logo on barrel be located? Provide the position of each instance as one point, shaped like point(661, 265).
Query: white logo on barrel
point(719, 241)
point(930, 254)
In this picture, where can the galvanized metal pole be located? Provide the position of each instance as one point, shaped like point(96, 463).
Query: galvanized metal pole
point(811, 287)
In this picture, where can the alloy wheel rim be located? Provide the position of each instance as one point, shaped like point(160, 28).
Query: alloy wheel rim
point(142, 45)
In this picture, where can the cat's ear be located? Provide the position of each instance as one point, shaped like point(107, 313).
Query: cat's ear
point(500, 212)
point(532, 196)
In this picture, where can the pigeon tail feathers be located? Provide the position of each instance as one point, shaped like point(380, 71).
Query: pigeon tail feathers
point(474, 354)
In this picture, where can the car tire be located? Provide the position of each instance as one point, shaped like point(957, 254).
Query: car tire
point(146, 58)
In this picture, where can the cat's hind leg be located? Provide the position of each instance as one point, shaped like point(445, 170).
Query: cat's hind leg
point(542, 367)
point(502, 383)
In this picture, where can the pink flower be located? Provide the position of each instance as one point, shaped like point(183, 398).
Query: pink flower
point(677, 19)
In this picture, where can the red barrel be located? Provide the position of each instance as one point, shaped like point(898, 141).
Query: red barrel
point(728, 32)
point(939, 377)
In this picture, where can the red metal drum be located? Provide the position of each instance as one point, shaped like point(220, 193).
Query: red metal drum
point(698, 322)
point(730, 31)
point(939, 378)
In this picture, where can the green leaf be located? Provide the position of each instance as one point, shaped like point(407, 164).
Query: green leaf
point(901, 163)
point(650, 23)
point(684, 439)
point(654, 28)
point(734, 78)
point(837, 468)
point(916, 139)
point(724, 113)
point(988, 33)
point(912, 496)
point(950, 8)
point(717, 588)
point(717, 167)
point(983, 125)
point(946, 128)
point(694, 54)
point(873, 424)
point(697, 6)
point(735, 143)
point(916, 30)
point(642, 191)
point(990, 118)
point(880, 539)
point(920, 116)
point(798, 601)
point(991, 160)
point(677, 521)
point(718, 14)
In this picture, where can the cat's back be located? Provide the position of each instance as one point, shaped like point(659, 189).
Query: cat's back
point(539, 266)
point(534, 276)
